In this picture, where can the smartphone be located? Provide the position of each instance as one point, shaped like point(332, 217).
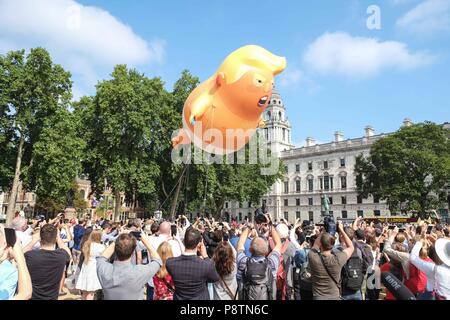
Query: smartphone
point(401, 230)
point(429, 229)
point(391, 227)
point(225, 237)
point(136, 234)
point(10, 235)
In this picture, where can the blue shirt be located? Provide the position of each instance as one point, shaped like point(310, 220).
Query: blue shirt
point(8, 280)
point(78, 232)
point(234, 241)
point(301, 256)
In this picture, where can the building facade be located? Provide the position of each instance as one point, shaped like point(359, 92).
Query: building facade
point(312, 171)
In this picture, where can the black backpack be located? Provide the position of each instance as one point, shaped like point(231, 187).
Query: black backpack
point(258, 281)
point(353, 272)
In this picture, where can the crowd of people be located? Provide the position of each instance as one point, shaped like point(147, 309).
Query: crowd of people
point(215, 260)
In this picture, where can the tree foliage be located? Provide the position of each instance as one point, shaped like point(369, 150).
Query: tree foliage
point(35, 96)
point(409, 169)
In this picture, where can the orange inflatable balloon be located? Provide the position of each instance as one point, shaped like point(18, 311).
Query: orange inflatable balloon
point(222, 114)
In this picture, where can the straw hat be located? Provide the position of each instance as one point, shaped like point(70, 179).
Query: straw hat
point(442, 247)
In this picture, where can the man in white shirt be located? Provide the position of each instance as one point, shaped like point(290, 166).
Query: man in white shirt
point(23, 232)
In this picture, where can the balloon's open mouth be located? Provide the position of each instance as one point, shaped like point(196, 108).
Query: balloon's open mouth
point(262, 102)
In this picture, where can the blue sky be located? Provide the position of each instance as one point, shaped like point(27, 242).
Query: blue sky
point(340, 75)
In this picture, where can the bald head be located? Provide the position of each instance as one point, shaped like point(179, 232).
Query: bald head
point(259, 247)
point(164, 228)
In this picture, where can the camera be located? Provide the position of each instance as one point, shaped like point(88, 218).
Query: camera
point(330, 225)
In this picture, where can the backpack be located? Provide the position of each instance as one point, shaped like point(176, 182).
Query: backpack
point(257, 281)
point(367, 256)
point(353, 272)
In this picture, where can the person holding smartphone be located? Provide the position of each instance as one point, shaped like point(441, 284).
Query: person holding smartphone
point(13, 278)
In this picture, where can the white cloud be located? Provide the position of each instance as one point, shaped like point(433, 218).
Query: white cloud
point(340, 53)
point(84, 39)
point(428, 17)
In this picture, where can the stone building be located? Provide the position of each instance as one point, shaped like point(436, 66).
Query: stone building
point(312, 171)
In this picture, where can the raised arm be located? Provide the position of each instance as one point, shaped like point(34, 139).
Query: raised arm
point(109, 251)
point(241, 243)
point(25, 287)
point(276, 240)
point(425, 266)
point(62, 245)
point(292, 236)
point(348, 243)
point(152, 251)
point(35, 239)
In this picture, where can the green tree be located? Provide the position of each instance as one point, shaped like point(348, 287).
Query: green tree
point(32, 91)
point(409, 169)
point(123, 132)
point(57, 157)
point(212, 185)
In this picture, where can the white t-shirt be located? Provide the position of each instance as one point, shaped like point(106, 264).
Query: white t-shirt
point(25, 236)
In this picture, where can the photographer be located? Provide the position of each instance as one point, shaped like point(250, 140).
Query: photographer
point(257, 273)
point(326, 265)
point(122, 280)
point(302, 273)
point(191, 273)
point(12, 277)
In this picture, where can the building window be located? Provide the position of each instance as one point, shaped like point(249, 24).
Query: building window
point(286, 202)
point(342, 162)
point(297, 186)
point(376, 199)
point(226, 204)
point(297, 168)
point(344, 200)
point(377, 213)
point(311, 185)
point(286, 169)
point(240, 216)
point(331, 200)
point(360, 213)
point(344, 214)
point(325, 165)
point(266, 131)
point(343, 182)
point(326, 182)
point(297, 215)
point(264, 202)
point(359, 199)
point(240, 205)
point(310, 167)
point(286, 187)
point(286, 215)
point(321, 183)
point(297, 202)
point(310, 201)
point(311, 215)
point(284, 134)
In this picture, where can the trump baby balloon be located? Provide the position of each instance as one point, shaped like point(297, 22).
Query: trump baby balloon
point(222, 114)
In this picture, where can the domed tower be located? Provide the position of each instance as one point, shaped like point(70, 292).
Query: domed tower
point(278, 128)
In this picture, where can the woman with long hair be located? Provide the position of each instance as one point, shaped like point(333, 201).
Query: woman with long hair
point(163, 282)
point(88, 281)
point(224, 258)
